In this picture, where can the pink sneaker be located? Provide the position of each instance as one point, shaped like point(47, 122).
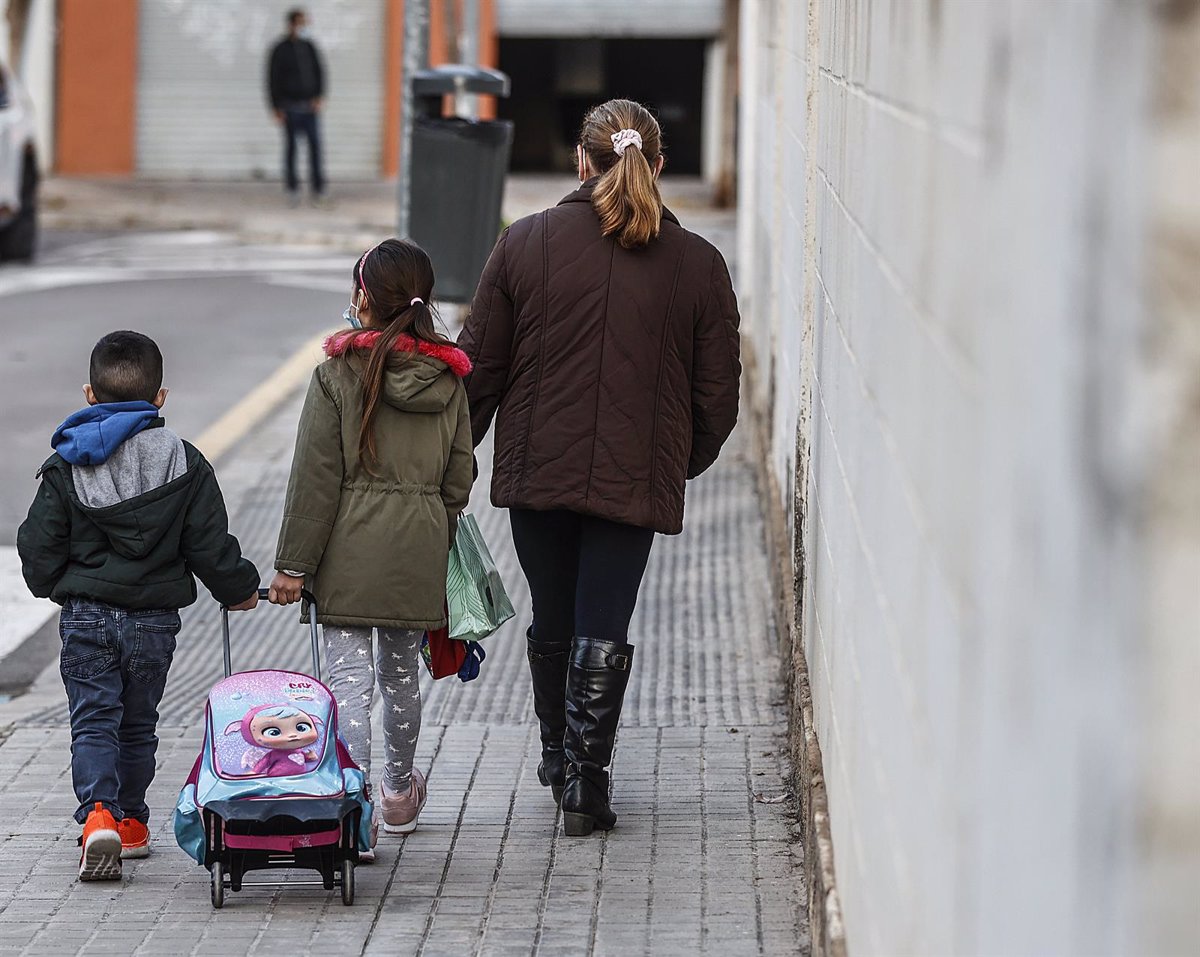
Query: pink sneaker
point(400, 810)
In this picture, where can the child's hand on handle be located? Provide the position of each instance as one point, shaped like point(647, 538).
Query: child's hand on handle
point(285, 589)
point(246, 605)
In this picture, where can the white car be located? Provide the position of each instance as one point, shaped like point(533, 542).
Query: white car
point(18, 171)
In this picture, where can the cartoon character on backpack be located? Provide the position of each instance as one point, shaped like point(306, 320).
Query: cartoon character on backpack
point(285, 732)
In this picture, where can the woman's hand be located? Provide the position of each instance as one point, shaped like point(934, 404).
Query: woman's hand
point(285, 589)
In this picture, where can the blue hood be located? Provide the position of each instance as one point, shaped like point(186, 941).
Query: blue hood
point(91, 435)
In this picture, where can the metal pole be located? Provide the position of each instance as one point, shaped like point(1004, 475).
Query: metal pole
point(416, 57)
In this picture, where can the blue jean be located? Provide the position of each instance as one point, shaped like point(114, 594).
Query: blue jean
point(304, 123)
point(114, 666)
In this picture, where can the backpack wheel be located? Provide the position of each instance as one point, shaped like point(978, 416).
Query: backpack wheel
point(347, 882)
point(217, 884)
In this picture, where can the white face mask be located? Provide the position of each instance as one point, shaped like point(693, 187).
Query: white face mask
point(304, 33)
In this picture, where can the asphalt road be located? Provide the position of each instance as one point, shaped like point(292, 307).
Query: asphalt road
point(226, 316)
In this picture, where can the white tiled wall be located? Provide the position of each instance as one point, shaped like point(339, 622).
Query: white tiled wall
point(971, 176)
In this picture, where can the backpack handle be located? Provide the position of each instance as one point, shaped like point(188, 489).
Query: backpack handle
point(314, 636)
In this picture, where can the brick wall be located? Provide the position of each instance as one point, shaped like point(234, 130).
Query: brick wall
point(943, 241)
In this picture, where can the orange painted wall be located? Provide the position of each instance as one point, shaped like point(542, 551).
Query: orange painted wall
point(394, 65)
point(97, 86)
point(437, 32)
point(489, 52)
point(393, 70)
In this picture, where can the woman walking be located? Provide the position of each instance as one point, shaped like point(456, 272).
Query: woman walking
point(604, 339)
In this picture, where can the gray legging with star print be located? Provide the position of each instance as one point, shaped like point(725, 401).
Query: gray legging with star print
point(352, 677)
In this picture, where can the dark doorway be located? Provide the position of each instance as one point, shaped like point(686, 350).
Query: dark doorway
point(555, 81)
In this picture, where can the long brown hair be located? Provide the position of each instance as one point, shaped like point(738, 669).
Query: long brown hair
point(626, 198)
point(397, 279)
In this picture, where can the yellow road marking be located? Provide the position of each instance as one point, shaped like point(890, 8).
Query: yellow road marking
point(261, 401)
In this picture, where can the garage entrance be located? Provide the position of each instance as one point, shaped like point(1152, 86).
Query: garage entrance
point(555, 81)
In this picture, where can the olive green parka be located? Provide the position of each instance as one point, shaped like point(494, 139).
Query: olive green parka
point(373, 543)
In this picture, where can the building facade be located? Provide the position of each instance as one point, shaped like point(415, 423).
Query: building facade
point(172, 89)
point(175, 89)
point(564, 57)
point(961, 236)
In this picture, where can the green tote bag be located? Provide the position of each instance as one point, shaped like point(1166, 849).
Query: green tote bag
point(475, 594)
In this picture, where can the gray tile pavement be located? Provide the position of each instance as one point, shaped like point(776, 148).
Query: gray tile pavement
point(696, 864)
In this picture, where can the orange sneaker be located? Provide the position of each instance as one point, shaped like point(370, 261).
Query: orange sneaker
point(101, 858)
point(135, 838)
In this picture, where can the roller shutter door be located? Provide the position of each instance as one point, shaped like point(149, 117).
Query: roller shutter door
point(202, 108)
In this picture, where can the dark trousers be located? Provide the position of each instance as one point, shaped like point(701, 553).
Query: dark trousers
point(303, 123)
point(584, 573)
point(114, 666)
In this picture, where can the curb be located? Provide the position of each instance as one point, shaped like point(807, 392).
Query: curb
point(827, 930)
point(20, 668)
point(344, 240)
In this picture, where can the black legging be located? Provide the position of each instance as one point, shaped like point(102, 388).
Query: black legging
point(583, 573)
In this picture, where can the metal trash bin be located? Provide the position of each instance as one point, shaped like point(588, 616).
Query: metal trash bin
point(458, 170)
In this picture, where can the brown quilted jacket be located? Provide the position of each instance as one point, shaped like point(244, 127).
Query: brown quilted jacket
point(612, 373)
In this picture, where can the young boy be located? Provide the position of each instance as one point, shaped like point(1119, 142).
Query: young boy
point(126, 514)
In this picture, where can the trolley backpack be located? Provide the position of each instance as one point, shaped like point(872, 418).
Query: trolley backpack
point(273, 785)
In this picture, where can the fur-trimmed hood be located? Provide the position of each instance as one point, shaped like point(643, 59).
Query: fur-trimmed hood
point(363, 339)
point(421, 377)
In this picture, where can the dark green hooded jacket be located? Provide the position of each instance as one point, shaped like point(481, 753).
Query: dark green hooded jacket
point(373, 543)
point(139, 553)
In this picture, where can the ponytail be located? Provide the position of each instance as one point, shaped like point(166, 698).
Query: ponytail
point(372, 382)
point(623, 142)
point(627, 200)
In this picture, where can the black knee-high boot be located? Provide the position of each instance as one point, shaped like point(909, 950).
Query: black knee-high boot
point(548, 667)
point(596, 681)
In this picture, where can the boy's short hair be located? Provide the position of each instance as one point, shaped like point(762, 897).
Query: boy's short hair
point(126, 367)
point(293, 15)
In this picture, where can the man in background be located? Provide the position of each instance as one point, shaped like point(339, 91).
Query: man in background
point(296, 85)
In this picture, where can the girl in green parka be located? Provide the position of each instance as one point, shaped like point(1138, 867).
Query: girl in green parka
point(382, 469)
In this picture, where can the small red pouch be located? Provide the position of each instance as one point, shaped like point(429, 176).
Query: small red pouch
point(443, 655)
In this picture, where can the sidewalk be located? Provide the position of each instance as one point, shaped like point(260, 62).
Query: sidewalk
point(256, 212)
point(696, 864)
point(704, 858)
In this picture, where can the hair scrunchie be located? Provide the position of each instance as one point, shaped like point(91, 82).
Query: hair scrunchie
point(623, 139)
